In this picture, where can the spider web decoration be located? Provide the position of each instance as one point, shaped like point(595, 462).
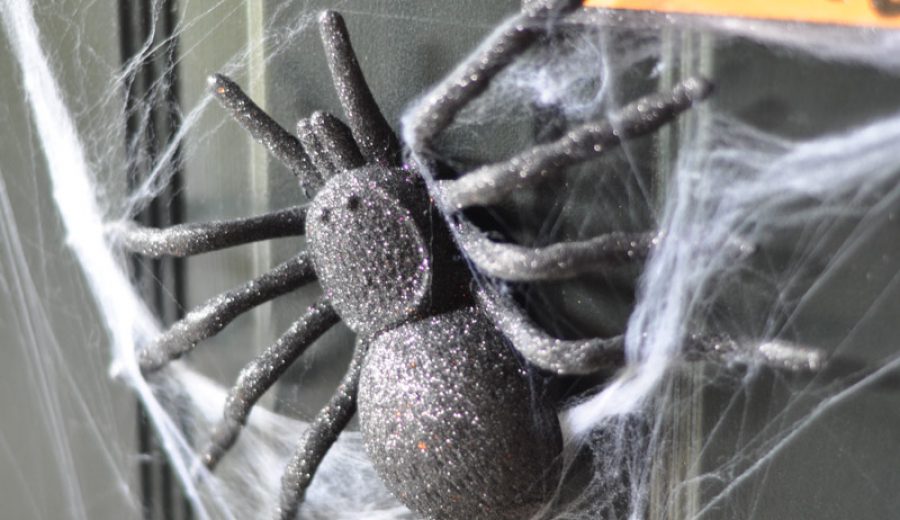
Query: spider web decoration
point(777, 198)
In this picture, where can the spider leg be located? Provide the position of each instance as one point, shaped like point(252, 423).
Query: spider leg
point(489, 184)
point(196, 238)
point(215, 314)
point(437, 110)
point(317, 440)
point(376, 140)
point(563, 357)
point(555, 262)
point(586, 356)
point(262, 128)
point(330, 145)
point(261, 373)
point(776, 353)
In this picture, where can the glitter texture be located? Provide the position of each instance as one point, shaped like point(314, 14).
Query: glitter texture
point(193, 239)
point(555, 262)
point(559, 356)
point(371, 258)
point(373, 135)
point(450, 421)
point(276, 139)
point(330, 146)
point(207, 319)
point(260, 374)
point(322, 433)
point(450, 415)
point(491, 183)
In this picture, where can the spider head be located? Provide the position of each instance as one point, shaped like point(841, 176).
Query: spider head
point(371, 233)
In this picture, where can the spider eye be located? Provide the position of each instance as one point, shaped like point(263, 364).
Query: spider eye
point(325, 216)
point(353, 202)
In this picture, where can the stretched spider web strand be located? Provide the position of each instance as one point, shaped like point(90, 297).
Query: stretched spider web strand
point(555, 262)
point(210, 317)
point(261, 373)
point(436, 111)
point(202, 237)
point(374, 136)
point(280, 143)
point(330, 145)
point(490, 184)
point(318, 439)
point(563, 357)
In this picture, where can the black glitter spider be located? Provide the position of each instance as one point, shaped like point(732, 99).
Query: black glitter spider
point(447, 410)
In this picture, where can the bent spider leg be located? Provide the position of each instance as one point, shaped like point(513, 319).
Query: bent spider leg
point(318, 439)
point(562, 357)
point(202, 237)
point(330, 145)
point(489, 184)
point(215, 314)
point(261, 127)
point(436, 111)
point(261, 373)
point(586, 356)
point(555, 262)
point(374, 136)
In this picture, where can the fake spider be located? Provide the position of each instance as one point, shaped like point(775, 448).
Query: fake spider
point(447, 411)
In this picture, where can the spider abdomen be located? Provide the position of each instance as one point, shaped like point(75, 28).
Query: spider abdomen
point(452, 423)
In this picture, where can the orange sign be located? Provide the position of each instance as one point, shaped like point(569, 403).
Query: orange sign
point(871, 13)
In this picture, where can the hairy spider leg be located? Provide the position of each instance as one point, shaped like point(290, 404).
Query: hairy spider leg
point(325, 147)
point(210, 317)
point(373, 135)
point(329, 144)
point(331, 148)
point(559, 356)
point(436, 111)
point(560, 261)
point(334, 149)
point(587, 356)
point(280, 143)
point(491, 183)
point(432, 116)
point(261, 373)
point(321, 435)
point(195, 238)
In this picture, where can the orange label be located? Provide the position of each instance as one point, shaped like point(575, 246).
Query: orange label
point(872, 13)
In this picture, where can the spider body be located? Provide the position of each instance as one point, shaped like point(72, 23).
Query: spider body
point(447, 412)
point(441, 374)
point(451, 421)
